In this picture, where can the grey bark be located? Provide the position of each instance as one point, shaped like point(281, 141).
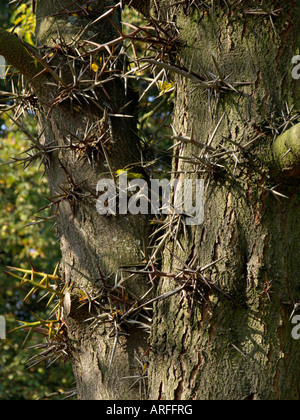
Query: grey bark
point(221, 350)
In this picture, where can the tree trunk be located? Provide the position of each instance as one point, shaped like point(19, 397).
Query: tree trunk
point(227, 333)
point(93, 246)
point(211, 347)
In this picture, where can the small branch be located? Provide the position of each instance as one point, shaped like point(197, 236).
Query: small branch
point(154, 110)
point(15, 53)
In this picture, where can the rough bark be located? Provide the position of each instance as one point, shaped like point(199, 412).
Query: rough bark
point(221, 350)
point(90, 241)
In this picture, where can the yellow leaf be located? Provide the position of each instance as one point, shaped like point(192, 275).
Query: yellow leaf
point(120, 172)
point(82, 294)
point(131, 175)
point(95, 67)
point(165, 87)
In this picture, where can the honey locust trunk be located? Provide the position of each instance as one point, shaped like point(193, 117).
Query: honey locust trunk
point(90, 123)
point(233, 341)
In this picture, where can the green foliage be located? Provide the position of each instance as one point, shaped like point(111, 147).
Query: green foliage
point(17, 383)
point(19, 201)
point(22, 194)
point(24, 22)
point(5, 13)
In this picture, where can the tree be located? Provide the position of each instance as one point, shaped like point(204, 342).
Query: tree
point(224, 291)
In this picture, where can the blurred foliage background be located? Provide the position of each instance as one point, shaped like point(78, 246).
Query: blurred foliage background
point(24, 192)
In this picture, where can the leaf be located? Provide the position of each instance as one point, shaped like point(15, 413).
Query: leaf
point(131, 175)
point(165, 87)
point(95, 67)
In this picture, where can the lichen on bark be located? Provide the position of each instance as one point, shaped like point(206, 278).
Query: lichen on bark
point(286, 151)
